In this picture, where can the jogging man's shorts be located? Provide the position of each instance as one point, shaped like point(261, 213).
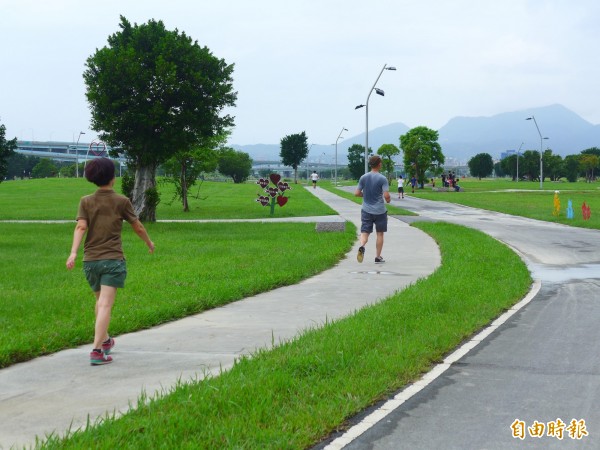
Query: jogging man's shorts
point(368, 220)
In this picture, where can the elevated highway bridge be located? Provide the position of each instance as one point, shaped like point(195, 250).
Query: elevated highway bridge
point(80, 152)
point(65, 151)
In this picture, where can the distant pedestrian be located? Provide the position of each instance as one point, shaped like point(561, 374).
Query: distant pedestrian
point(314, 177)
point(400, 187)
point(100, 219)
point(413, 183)
point(374, 188)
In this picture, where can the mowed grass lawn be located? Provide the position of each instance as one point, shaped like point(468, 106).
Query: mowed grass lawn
point(57, 199)
point(525, 199)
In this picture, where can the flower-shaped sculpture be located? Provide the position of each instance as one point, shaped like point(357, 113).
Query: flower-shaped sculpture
point(275, 194)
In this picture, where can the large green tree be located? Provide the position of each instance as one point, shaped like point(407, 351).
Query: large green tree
point(356, 160)
point(20, 165)
point(508, 166)
point(294, 150)
point(387, 152)
point(553, 165)
point(235, 164)
point(588, 163)
point(591, 151)
point(152, 93)
point(571, 167)
point(422, 152)
point(44, 169)
point(481, 165)
point(529, 165)
point(7, 149)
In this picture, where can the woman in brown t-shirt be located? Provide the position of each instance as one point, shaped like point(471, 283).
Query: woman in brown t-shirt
point(100, 218)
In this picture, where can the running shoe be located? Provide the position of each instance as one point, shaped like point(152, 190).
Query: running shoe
point(361, 254)
point(107, 345)
point(98, 358)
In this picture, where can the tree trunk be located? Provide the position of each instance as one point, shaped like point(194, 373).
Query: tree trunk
point(184, 190)
point(145, 178)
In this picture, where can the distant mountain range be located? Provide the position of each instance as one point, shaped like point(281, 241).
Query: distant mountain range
point(464, 137)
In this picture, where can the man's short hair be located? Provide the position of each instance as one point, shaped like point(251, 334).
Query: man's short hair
point(100, 171)
point(374, 161)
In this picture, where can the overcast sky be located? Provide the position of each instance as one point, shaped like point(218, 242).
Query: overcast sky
point(303, 65)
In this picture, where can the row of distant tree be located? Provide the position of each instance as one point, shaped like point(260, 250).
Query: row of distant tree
point(22, 166)
point(226, 161)
point(423, 158)
point(421, 152)
point(527, 165)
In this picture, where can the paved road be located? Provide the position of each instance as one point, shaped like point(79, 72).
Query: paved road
point(542, 365)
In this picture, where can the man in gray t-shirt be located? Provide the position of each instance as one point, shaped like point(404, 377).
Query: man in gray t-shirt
point(374, 188)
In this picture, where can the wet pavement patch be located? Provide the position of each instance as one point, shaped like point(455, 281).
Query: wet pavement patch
point(412, 219)
point(378, 272)
point(558, 274)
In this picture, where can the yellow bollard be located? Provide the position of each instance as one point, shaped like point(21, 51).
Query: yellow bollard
point(556, 211)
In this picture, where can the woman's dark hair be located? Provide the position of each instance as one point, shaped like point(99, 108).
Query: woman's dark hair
point(100, 171)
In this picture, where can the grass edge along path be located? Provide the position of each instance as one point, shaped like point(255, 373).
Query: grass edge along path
point(294, 395)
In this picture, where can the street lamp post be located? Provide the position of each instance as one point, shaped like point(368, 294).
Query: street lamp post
point(336, 143)
point(541, 151)
point(77, 155)
point(379, 92)
point(518, 152)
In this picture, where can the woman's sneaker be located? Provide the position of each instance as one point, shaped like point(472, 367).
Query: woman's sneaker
point(107, 345)
point(97, 358)
point(379, 259)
